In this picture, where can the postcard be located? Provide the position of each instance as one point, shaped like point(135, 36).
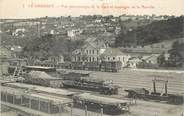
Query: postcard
point(92, 57)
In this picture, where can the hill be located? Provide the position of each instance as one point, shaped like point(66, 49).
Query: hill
point(154, 32)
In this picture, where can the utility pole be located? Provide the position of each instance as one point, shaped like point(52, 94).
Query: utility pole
point(86, 110)
point(101, 110)
point(71, 106)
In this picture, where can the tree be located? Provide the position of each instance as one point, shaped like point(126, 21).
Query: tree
point(161, 60)
point(175, 57)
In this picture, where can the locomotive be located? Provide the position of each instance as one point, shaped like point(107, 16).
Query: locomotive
point(89, 83)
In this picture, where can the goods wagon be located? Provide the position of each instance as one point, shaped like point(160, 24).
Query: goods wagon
point(110, 66)
point(42, 78)
point(93, 66)
point(89, 83)
point(107, 105)
point(77, 65)
point(106, 66)
point(142, 93)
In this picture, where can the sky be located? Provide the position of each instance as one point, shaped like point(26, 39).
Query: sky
point(40, 8)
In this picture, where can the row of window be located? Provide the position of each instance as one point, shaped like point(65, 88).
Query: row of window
point(114, 58)
point(92, 51)
point(92, 59)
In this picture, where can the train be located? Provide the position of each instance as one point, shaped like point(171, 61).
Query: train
point(105, 66)
point(82, 100)
point(90, 83)
point(67, 80)
point(111, 106)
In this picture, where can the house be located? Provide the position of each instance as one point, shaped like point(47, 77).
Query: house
point(114, 54)
point(150, 61)
point(74, 32)
point(133, 62)
point(56, 59)
point(16, 51)
point(5, 52)
point(151, 58)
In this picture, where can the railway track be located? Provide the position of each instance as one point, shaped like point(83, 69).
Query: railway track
point(139, 79)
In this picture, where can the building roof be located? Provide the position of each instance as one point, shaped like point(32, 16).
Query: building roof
point(38, 88)
point(16, 48)
point(43, 96)
point(40, 74)
point(151, 57)
point(38, 67)
point(112, 52)
point(55, 99)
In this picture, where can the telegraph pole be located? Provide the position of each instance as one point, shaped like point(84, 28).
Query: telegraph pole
point(86, 110)
point(101, 110)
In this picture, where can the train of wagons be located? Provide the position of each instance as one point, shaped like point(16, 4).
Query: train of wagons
point(89, 102)
point(105, 66)
point(82, 81)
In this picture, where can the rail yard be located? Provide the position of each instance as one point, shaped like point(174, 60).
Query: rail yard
point(85, 100)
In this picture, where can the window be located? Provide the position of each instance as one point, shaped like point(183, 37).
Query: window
point(87, 51)
point(93, 59)
point(76, 58)
point(113, 58)
point(119, 58)
point(108, 58)
point(93, 51)
point(97, 51)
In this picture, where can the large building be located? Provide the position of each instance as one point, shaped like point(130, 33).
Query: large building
point(90, 52)
point(98, 51)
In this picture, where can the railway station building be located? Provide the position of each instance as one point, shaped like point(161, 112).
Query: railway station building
point(98, 52)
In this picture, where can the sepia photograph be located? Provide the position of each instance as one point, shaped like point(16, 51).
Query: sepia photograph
point(91, 58)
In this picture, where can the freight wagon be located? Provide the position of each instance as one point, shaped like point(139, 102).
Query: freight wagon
point(142, 93)
point(106, 66)
point(110, 66)
point(93, 66)
point(42, 78)
point(90, 83)
point(107, 105)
